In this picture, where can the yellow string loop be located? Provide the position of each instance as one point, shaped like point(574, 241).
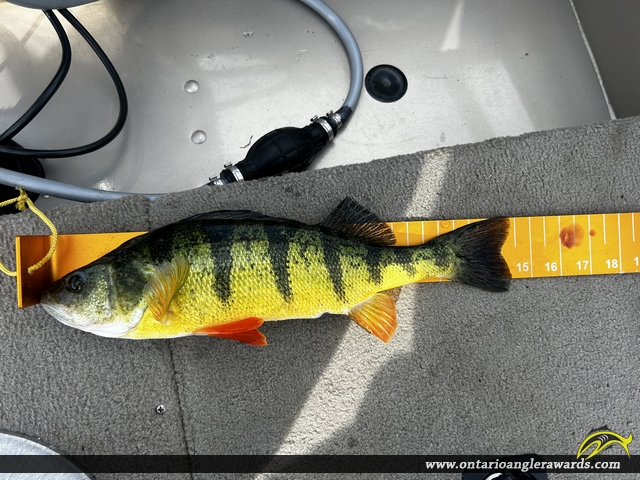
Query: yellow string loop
point(22, 202)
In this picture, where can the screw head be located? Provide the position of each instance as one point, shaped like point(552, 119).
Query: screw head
point(160, 409)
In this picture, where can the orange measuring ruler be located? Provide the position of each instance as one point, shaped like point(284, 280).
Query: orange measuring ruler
point(72, 252)
point(551, 246)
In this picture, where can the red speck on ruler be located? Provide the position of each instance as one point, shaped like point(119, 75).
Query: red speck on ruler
point(592, 233)
point(572, 236)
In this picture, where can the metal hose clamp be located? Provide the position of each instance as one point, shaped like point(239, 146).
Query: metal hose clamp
point(336, 118)
point(321, 121)
point(235, 171)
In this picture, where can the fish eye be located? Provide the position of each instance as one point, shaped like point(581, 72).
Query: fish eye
point(76, 281)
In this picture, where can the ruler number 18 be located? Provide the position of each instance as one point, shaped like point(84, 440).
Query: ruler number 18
point(613, 263)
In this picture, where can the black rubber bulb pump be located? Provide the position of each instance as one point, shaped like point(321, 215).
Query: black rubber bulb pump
point(288, 149)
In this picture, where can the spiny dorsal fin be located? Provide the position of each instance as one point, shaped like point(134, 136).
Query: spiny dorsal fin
point(353, 219)
point(165, 283)
point(236, 215)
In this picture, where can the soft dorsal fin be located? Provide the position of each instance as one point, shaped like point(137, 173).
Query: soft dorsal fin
point(167, 279)
point(353, 219)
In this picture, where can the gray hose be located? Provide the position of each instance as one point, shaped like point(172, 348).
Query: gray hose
point(350, 44)
point(82, 194)
point(32, 183)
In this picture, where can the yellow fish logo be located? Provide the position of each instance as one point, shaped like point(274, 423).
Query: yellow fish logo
point(603, 438)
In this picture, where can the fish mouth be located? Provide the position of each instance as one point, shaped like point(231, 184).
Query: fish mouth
point(112, 330)
point(56, 312)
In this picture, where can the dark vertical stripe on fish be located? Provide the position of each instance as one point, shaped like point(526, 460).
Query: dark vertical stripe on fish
point(278, 251)
point(378, 258)
point(373, 260)
point(332, 262)
point(162, 240)
point(405, 260)
point(220, 236)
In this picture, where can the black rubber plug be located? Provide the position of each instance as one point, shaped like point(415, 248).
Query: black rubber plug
point(386, 83)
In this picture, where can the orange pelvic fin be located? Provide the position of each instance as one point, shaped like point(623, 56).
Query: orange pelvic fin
point(165, 283)
point(245, 331)
point(377, 315)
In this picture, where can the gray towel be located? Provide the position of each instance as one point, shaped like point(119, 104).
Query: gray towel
point(468, 372)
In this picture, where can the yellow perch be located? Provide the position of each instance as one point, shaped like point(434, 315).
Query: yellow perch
point(225, 273)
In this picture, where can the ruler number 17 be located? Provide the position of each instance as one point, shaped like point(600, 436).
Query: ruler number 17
point(582, 264)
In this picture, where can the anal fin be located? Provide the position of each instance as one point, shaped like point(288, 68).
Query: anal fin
point(377, 315)
point(245, 331)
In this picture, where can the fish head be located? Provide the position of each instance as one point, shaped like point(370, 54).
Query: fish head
point(98, 299)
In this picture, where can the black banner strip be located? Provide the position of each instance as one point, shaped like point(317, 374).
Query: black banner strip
point(315, 464)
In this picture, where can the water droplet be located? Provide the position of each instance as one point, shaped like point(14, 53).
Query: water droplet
point(191, 86)
point(198, 137)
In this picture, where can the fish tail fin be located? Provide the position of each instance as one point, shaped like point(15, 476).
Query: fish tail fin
point(478, 254)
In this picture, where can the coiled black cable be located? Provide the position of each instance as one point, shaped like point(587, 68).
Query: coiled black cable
point(330, 124)
point(122, 97)
point(51, 89)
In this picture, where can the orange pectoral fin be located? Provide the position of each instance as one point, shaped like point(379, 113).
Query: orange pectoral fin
point(245, 331)
point(377, 315)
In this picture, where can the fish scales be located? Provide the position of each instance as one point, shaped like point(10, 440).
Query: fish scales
point(278, 250)
point(235, 278)
point(214, 274)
